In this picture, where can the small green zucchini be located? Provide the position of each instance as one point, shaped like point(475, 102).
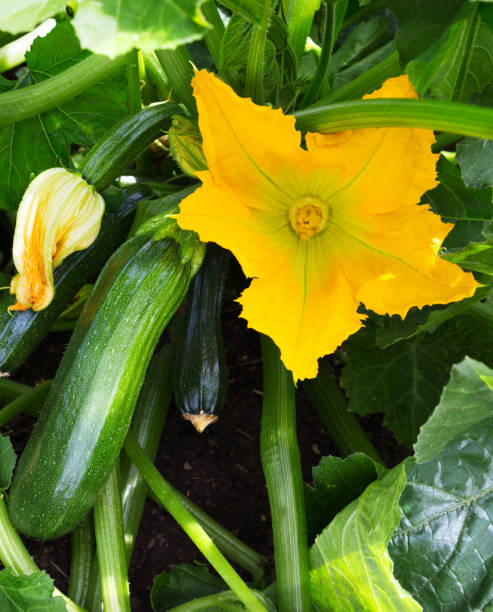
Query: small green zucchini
point(89, 408)
point(21, 332)
point(201, 374)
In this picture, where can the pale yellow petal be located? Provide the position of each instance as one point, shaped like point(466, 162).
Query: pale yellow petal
point(307, 307)
point(385, 168)
point(256, 237)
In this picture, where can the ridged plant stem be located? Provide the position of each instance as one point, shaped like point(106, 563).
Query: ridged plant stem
point(13, 554)
point(27, 402)
point(254, 80)
point(110, 546)
point(178, 68)
point(191, 526)
point(23, 103)
point(331, 406)
point(282, 469)
point(82, 557)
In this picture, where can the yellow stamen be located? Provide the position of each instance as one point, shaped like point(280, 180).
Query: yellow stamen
point(308, 216)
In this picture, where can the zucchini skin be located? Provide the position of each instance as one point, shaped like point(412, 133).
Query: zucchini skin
point(88, 411)
point(201, 373)
point(20, 333)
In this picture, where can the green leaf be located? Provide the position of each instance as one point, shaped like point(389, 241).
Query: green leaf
point(234, 43)
point(475, 158)
point(16, 17)
point(42, 142)
point(363, 65)
point(33, 593)
point(460, 63)
point(7, 463)
point(182, 583)
point(405, 380)
point(337, 482)
point(467, 399)
point(113, 28)
point(299, 16)
point(421, 23)
point(253, 10)
point(427, 319)
point(351, 568)
point(443, 547)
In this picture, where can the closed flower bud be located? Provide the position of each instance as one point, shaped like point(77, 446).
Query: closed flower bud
point(186, 145)
point(60, 213)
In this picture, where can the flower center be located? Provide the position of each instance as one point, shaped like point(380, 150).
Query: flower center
point(308, 216)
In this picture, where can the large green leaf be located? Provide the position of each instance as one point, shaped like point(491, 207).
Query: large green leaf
point(421, 23)
point(351, 568)
point(41, 142)
point(475, 158)
point(182, 583)
point(114, 27)
point(7, 463)
point(467, 399)
point(460, 63)
point(33, 593)
point(443, 547)
point(405, 380)
point(336, 483)
point(23, 16)
point(427, 319)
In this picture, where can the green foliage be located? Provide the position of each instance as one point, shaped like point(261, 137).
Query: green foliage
point(253, 10)
point(475, 158)
point(351, 568)
point(113, 28)
point(42, 142)
point(460, 63)
point(337, 482)
point(23, 16)
point(443, 547)
point(467, 400)
point(33, 593)
point(7, 463)
point(181, 584)
point(405, 380)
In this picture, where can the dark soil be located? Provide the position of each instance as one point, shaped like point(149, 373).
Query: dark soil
point(219, 470)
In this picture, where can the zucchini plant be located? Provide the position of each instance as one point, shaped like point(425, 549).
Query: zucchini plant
point(341, 152)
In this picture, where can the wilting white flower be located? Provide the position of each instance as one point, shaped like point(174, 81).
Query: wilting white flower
point(60, 213)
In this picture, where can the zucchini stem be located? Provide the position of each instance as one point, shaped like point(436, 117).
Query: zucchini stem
point(226, 600)
point(282, 469)
point(178, 68)
point(332, 408)
point(254, 79)
point(26, 402)
point(82, 557)
point(191, 526)
point(110, 546)
point(14, 555)
point(10, 389)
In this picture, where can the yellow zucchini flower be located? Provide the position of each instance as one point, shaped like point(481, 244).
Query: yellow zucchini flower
point(322, 229)
point(60, 213)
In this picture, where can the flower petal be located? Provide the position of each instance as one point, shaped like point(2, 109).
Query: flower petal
point(246, 146)
point(307, 307)
point(392, 262)
point(386, 168)
point(217, 215)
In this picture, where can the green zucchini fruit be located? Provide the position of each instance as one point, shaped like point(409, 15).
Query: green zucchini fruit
point(21, 332)
point(89, 408)
point(111, 156)
point(200, 373)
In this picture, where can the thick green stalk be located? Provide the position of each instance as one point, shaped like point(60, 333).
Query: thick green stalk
point(335, 15)
point(29, 101)
point(231, 546)
point(226, 600)
point(110, 547)
point(299, 17)
point(133, 81)
point(179, 70)
point(13, 554)
point(363, 12)
point(26, 402)
point(282, 469)
point(10, 389)
point(368, 81)
point(214, 35)
point(156, 75)
point(82, 557)
point(444, 140)
point(254, 79)
point(191, 526)
point(331, 406)
point(464, 119)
